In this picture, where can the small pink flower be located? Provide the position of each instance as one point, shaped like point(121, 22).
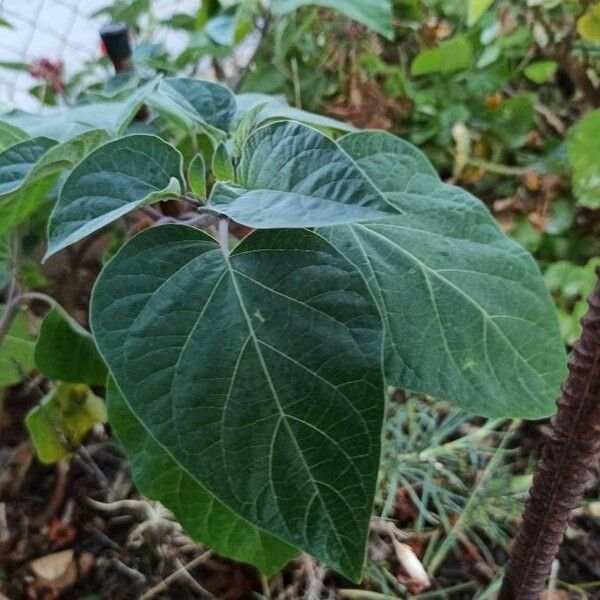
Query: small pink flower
point(48, 71)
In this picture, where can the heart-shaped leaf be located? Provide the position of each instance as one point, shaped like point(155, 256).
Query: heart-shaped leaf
point(207, 520)
point(113, 180)
point(466, 312)
point(290, 175)
point(269, 357)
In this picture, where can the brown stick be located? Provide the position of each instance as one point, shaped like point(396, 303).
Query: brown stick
point(561, 474)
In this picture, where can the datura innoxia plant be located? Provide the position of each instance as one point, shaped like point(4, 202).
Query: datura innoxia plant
point(246, 379)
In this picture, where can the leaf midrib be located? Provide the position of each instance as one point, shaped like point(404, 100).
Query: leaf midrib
point(283, 415)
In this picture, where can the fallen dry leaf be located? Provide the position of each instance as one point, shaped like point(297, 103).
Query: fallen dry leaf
point(55, 570)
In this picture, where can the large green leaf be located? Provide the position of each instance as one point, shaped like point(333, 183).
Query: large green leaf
point(466, 312)
point(110, 182)
point(207, 520)
point(16, 351)
point(193, 102)
point(28, 170)
point(375, 14)
point(259, 373)
point(65, 351)
point(290, 175)
point(584, 150)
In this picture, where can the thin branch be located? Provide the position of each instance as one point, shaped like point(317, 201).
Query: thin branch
point(262, 32)
point(184, 569)
point(493, 167)
point(13, 307)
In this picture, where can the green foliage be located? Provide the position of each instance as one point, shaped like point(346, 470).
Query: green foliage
point(295, 330)
point(28, 169)
point(16, 351)
point(584, 149)
point(65, 351)
point(231, 26)
point(450, 469)
point(588, 25)
point(62, 419)
point(476, 10)
point(196, 176)
point(442, 271)
point(276, 186)
point(190, 102)
point(541, 71)
point(248, 385)
point(222, 167)
point(18, 162)
point(10, 135)
point(110, 182)
point(16, 207)
point(216, 526)
point(269, 107)
point(375, 14)
point(127, 11)
point(454, 55)
point(512, 120)
point(571, 285)
point(111, 116)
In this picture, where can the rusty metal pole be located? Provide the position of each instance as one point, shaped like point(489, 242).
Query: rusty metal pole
point(561, 474)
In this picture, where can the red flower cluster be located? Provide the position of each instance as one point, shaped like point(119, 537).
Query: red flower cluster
point(49, 71)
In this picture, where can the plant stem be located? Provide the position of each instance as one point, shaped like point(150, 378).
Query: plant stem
point(497, 168)
point(561, 474)
point(12, 309)
point(262, 34)
point(223, 235)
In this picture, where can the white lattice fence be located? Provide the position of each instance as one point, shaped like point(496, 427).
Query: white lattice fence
point(61, 30)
